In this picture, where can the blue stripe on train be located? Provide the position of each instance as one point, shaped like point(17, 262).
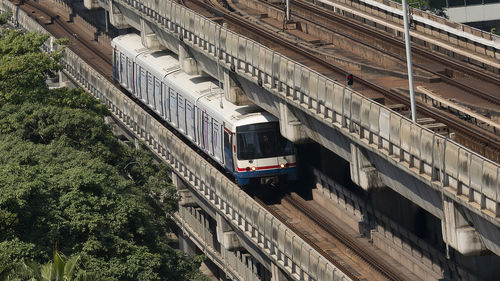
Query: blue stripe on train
point(244, 178)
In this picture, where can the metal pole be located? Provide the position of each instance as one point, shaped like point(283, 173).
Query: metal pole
point(287, 10)
point(408, 62)
point(106, 20)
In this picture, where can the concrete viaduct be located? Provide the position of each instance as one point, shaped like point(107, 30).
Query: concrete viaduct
point(384, 149)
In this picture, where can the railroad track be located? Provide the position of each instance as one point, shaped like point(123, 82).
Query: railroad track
point(481, 141)
point(306, 10)
point(78, 42)
point(335, 234)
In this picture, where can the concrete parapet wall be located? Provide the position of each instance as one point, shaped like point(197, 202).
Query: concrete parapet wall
point(412, 252)
point(191, 225)
point(282, 246)
point(471, 181)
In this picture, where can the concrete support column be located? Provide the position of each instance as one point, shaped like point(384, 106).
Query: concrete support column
point(458, 233)
point(232, 91)
point(186, 198)
point(277, 274)
point(363, 173)
point(290, 126)
point(226, 235)
point(64, 81)
point(116, 18)
point(185, 245)
point(91, 4)
point(187, 62)
point(149, 38)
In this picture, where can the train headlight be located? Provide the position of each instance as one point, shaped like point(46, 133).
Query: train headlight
point(253, 168)
point(282, 165)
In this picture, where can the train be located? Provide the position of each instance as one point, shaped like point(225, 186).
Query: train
point(244, 140)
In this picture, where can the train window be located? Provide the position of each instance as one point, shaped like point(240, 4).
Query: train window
point(151, 89)
point(190, 119)
point(228, 152)
point(144, 81)
point(173, 107)
point(181, 113)
point(216, 140)
point(158, 98)
point(261, 140)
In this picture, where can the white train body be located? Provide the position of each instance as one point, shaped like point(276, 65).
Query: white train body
point(245, 140)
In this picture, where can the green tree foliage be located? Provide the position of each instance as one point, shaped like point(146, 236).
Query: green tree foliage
point(433, 6)
point(61, 268)
point(65, 180)
point(4, 17)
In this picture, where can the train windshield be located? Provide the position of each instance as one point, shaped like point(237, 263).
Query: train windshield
point(261, 140)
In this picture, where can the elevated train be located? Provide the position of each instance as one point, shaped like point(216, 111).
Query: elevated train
point(245, 140)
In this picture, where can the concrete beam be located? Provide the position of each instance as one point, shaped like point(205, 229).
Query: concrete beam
point(290, 127)
point(226, 235)
point(363, 172)
point(232, 89)
point(91, 4)
point(458, 233)
point(185, 245)
point(187, 62)
point(149, 38)
point(186, 198)
point(277, 274)
point(116, 17)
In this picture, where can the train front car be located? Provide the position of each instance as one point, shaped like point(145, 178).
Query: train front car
point(263, 156)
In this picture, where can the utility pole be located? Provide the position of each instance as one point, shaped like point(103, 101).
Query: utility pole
point(408, 62)
point(287, 3)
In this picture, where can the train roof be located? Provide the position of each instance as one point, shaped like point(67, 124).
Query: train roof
point(207, 90)
point(130, 44)
point(201, 89)
point(160, 63)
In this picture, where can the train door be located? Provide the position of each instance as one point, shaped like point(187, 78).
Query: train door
point(130, 72)
point(181, 113)
point(228, 152)
point(115, 64)
point(144, 86)
point(190, 120)
point(151, 90)
point(166, 102)
point(137, 80)
point(173, 107)
point(207, 133)
point(217, 140)
point(199, 128)
point(158, 97)
point(123, 64)
point(125, 74)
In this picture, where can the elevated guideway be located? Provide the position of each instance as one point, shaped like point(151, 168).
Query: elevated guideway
point(383, 148)
point(229, 227)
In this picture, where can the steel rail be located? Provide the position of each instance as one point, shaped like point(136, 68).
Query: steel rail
point(307, 240)
point(336, 232)
point(55, 17)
